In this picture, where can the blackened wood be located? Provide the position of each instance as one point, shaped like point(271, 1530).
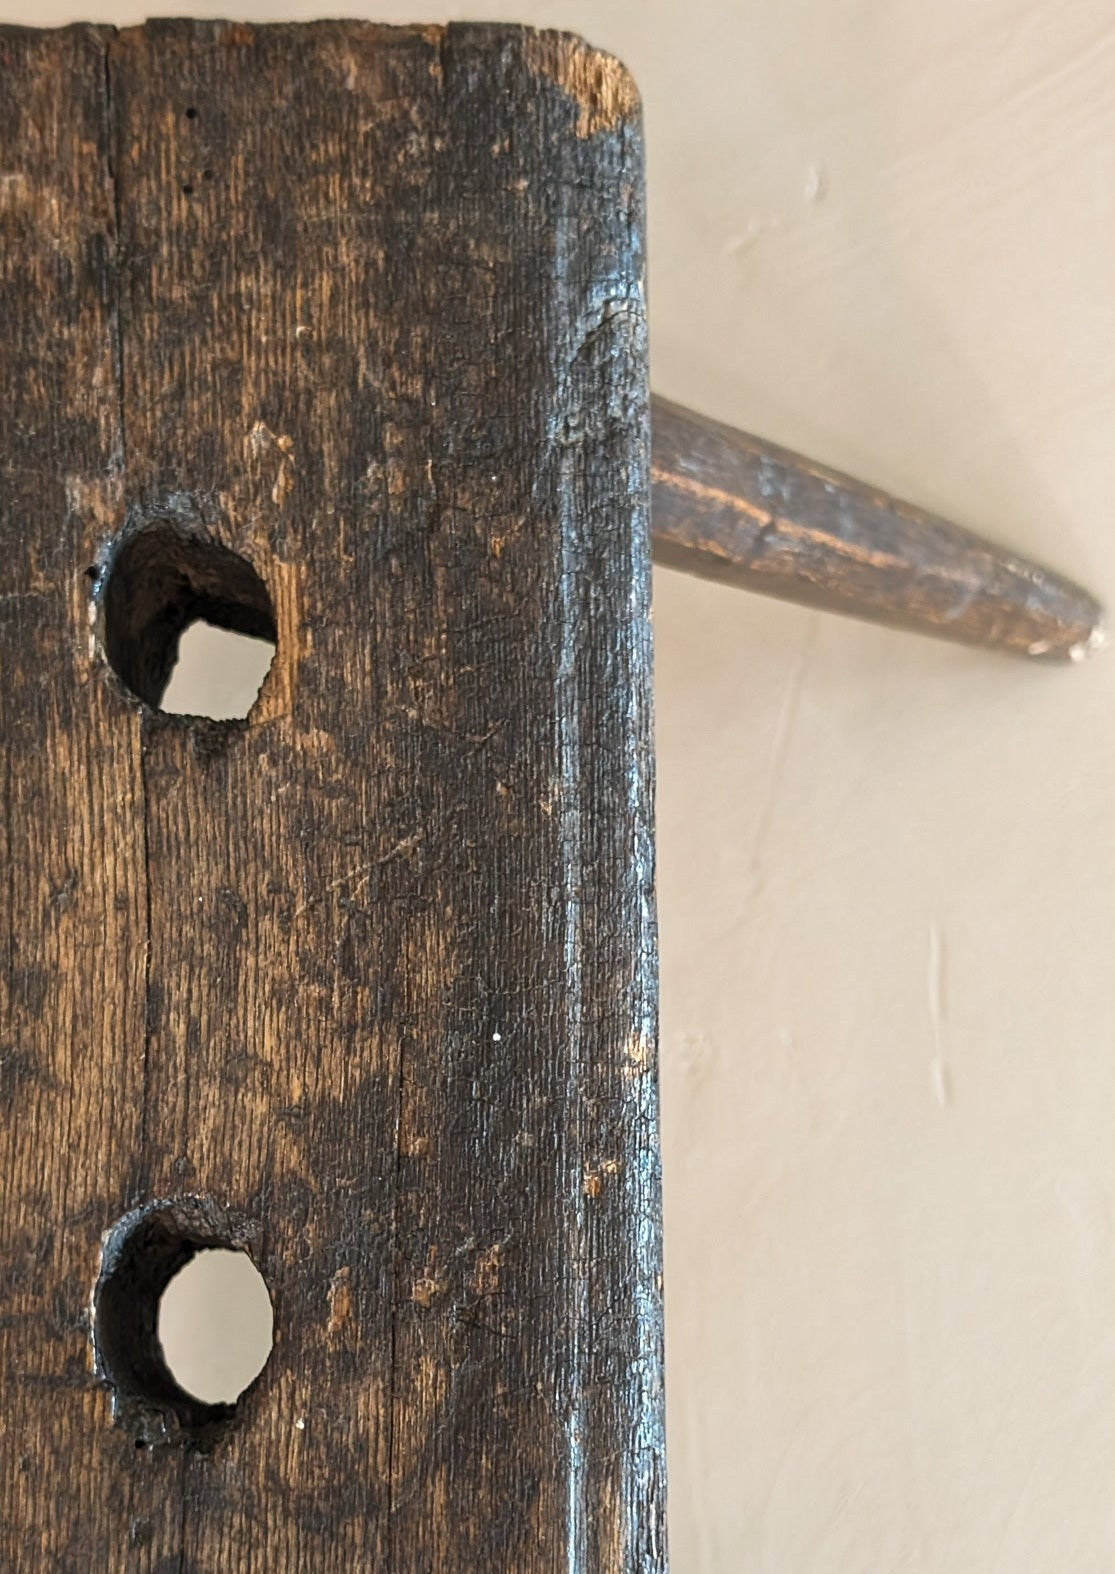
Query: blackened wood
point(735, 508)
point(367, 983)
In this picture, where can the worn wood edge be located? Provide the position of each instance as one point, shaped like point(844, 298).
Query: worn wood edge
point(597, 81)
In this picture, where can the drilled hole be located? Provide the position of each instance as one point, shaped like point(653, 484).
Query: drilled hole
point(164, 580)
point(180, 1330)
point(191, 113)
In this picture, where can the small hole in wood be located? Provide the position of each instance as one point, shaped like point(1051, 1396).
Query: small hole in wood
point(191, 113)
point(187, 190)
point(188, 625)
point(182, 1322)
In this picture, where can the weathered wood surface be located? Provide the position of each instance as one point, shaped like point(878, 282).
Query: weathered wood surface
point(735, 508)
point(371, 975)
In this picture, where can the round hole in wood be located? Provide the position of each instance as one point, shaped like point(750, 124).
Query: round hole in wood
point(159, 580)
point(143, 1257)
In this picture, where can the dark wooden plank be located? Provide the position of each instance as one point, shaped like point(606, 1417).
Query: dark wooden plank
point(389, 945)
point(72, 913)
point(741, 510)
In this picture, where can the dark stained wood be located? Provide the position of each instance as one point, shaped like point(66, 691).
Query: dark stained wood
point(743, 511)
point(72, 899)
point(338, 331)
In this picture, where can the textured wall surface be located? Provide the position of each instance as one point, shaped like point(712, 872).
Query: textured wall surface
point(881, 232)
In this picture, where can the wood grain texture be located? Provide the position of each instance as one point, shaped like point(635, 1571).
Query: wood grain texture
point(741, 510)
point(365, 984)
